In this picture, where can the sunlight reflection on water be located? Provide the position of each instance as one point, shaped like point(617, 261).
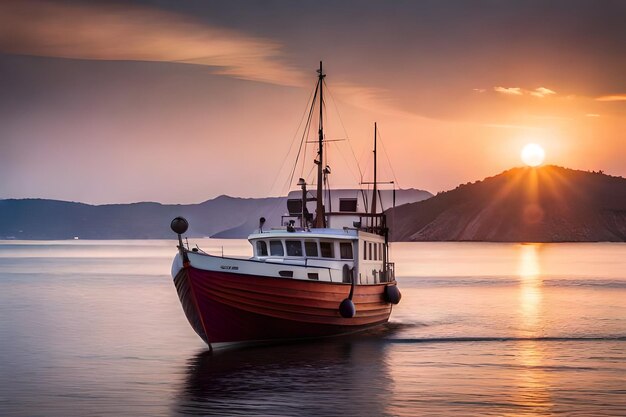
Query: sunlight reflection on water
point(530, 286)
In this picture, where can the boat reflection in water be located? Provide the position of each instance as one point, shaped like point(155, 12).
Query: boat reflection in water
point(340, 376)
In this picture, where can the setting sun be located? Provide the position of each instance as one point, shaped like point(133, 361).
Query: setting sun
point(532, 154)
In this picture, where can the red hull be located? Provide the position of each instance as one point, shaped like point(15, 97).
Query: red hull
point(227, 307)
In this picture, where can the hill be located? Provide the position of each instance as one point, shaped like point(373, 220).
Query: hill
point(546, 204)
point(224, 216)
point(51, 219)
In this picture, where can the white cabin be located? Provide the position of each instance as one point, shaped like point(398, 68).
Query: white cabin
point(324, 253)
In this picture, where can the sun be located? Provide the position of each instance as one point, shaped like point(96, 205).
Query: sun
point(532, 154)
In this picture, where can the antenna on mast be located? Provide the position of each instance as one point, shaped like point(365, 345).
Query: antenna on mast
point(375, 191)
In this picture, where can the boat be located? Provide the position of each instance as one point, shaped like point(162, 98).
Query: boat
point(320, 274)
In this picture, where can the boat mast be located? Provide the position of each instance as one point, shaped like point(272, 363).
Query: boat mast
point(375, 191)
point(320, 217)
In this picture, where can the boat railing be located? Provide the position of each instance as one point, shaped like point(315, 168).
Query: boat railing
point(390, 272)
point(372, 223)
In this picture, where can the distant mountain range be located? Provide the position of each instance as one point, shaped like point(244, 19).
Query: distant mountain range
point(546, 204)
point(224, 217)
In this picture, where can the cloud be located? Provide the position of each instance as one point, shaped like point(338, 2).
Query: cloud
point(121, 32)
point(612, 97)
point(540, 92)
point(368, 98)
point(592, 115)
point(134, 33)
point(514, 91)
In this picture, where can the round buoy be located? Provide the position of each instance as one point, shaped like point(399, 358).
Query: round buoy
point(392, 294)
point(347, 309)
point(179, 225)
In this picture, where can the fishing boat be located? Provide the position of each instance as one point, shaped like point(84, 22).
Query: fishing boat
point(321, 273)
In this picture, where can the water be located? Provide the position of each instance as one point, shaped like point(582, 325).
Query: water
point(93, 328)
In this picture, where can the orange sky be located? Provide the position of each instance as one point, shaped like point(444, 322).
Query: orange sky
point(162, 101)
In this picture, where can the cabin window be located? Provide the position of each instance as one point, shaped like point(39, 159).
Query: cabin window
point(276, 248)
point(313, 275)
point(380, 251)
point(311, 248)
point(294, 206)
point(375, 251)
point(261, 248)
point(327, 249)
point(347, 204)
point(364, 250)
point(345, 250)
point(369, 251)
point(294, 247)
point(286, 274)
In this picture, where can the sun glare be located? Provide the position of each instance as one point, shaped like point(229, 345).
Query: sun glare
point(533, 154)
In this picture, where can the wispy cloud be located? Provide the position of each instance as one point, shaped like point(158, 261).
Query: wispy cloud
point(138, 33)
point(612, 97)
point(110, 32)
point(514, 91)
point(592, 115)
point(540, 92)
point(367, 98)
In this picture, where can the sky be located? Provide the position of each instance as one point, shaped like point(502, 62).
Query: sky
point(182, 101)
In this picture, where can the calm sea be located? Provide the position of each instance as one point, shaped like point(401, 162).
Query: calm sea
point(93, 328)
